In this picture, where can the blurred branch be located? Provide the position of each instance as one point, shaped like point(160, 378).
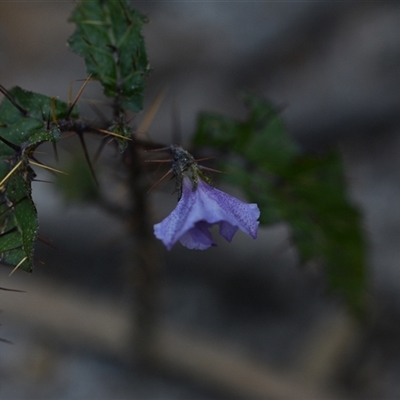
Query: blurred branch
point(103, 325)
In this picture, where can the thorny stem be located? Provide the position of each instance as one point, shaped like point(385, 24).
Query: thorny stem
point(145, 269)
point(81, 126)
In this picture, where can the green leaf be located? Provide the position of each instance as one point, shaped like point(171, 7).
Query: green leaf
point(36, 106)
point(325, 225)
point(78, 184)
point(309, 192)
point(268, 145)
point(221, 132)
point(27, 119)
point(37, 123)
point(124, 131)
point(261, 138)
point(18, 219)
point(108, 36)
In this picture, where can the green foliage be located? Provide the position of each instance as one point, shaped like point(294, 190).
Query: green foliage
point(308, 192)
point(30, 119)
point(19, 222)
point(261, 138)
point(108, 36)
point(26, 120)
point(78, 183)
point(124, 132)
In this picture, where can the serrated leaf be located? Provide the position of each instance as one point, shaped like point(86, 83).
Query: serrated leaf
point(18, 220)
point(309, 192)
point(268, 144)
point(37, 106)
point(218, 131)
point(108, 36)
point(37, 124)
point(261, 138)
point(27, 119)
point(326, 226)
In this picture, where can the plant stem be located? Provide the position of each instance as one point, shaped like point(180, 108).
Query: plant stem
point(146, 265)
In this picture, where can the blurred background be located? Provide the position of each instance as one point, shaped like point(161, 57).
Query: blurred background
point(242, 319)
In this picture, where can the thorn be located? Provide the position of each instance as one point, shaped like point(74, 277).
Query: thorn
point(55, 152)
point(3, 181)
point(113, 134)
point(103, 143)
point(159, 161)
point(86, 153)
point(11, 99)
point(151, 113)
point(127, 16)
point(71, 107)
point(53, 110)
point(18, 265)
point(47, 241)
point(176, 123)
point(71, 84)
point(9, 144)
point(204, 159)
point(37, 164)
point(12, 290)
point(163, 177)
point(158, 150)
point(212, 169)
point(5, 341)
point(10, 208)
point(41, 181)
point(11, 230)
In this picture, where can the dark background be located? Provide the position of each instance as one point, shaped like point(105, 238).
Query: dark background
point(335, 68)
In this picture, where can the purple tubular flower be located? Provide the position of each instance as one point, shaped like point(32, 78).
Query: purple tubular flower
point(201, 207)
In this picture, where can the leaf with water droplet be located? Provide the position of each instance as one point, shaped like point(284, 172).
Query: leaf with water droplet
point(109, 36)
point(27, 119)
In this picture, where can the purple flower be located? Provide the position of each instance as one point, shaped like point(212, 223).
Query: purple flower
point(200, 207)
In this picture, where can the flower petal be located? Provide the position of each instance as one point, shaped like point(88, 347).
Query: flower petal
point(201, 207)
point(173, 227)
point(227, 230)
point(230, 209)
point(198, 238)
